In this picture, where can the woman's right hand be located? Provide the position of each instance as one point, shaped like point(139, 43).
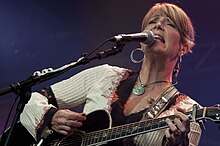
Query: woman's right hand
point(66, 122)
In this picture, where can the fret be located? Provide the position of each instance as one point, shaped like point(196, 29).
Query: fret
point(100, 137)
point(96, 137)
point(162, 123)
point(123, 131)
point(154, 125)
point(129, 129)
point(136, 128)
point(126, 131)
point(113, 134)
point(141, 127)
point(147, 126)
point(86, 139)
point(110, 134)
point(104, 135)
point(91, 141)
point(118, 131)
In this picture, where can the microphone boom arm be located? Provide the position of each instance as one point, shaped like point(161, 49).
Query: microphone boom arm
point(38, 77)
point(23, 88)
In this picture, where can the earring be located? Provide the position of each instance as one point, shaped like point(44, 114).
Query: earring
point(132, 56)
point(177, 70)
point(179, 63)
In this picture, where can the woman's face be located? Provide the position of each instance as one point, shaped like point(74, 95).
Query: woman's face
point(167, 37)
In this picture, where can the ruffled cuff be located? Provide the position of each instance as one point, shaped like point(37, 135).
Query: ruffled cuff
point(44, 130)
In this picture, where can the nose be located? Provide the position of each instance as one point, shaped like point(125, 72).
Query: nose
point(159, 25)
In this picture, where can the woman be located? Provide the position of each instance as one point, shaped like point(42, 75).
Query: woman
point(126, 94)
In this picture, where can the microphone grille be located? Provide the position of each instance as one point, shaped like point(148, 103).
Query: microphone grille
point(150, 36)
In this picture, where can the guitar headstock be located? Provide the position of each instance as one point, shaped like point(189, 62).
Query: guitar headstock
point(211, 113)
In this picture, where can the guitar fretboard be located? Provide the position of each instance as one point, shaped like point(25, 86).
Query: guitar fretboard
point(124, 131)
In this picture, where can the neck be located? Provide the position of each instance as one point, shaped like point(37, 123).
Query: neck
point(153, 71)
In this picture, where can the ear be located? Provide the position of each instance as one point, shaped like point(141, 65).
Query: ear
point(184, 49)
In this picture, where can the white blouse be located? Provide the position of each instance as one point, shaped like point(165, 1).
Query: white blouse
point(96, 88)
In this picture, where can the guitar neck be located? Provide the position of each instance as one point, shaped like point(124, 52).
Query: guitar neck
point(131, 129)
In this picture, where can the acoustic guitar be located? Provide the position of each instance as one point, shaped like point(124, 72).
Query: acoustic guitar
point(97, 129)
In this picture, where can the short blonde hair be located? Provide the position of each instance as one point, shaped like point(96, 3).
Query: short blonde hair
point(179, 17)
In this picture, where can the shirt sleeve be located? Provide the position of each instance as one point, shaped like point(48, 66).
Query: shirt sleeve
point(68, 93)
point(73, 91)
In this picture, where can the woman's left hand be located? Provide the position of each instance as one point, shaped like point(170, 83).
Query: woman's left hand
point(177, 132)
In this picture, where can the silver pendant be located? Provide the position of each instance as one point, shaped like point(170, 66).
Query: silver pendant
point(138, 90)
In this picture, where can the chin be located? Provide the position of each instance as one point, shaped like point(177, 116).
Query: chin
point(159, 49)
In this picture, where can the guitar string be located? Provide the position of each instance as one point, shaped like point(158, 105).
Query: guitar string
point(68, 141)
point(124, 128)
point(89, 136)
point(113, 131)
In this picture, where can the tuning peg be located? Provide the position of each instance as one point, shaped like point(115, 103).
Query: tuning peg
point(194, 112)
point(217, 105)
point(202, 125)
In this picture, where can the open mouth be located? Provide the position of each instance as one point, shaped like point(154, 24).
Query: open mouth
point(159, 37)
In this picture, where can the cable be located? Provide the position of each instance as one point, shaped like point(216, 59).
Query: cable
point(96, 48)
point(7, 120)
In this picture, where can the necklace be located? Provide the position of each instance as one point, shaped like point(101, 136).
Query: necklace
point(140, 89)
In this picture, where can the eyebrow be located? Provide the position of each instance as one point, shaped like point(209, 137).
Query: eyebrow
point(156, 16)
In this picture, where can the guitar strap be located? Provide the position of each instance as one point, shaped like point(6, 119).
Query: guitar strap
point(166, 99)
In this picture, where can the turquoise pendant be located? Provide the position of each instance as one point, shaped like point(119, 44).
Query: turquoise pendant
point(138, 90)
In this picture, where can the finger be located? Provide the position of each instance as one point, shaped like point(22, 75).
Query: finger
point(184, 120)
point(63, 129)
point(171, 137)
point(76, 116)
point(57, 121)
point(63, 132)
point(80, 116)
point(181, 115)
point(168, 134)
point(180, 125)
point(74, 124)
point(172, 127)
point(182, 110)
point(66, 131)
point(62, 113)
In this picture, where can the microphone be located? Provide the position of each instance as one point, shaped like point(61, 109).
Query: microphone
point(146, 37)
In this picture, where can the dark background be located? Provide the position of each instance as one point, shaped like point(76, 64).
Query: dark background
point(37, 34)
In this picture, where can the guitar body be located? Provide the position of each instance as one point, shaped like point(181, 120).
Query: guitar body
point(96, 120)
point(97, 130)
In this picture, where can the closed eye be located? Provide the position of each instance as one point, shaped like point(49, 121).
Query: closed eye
point(169, 22)
point(152, 22)
point(172, 25)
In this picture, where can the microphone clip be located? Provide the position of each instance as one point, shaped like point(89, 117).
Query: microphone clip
point(112, 51)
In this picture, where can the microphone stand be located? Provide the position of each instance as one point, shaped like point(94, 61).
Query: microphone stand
point(23, 88)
